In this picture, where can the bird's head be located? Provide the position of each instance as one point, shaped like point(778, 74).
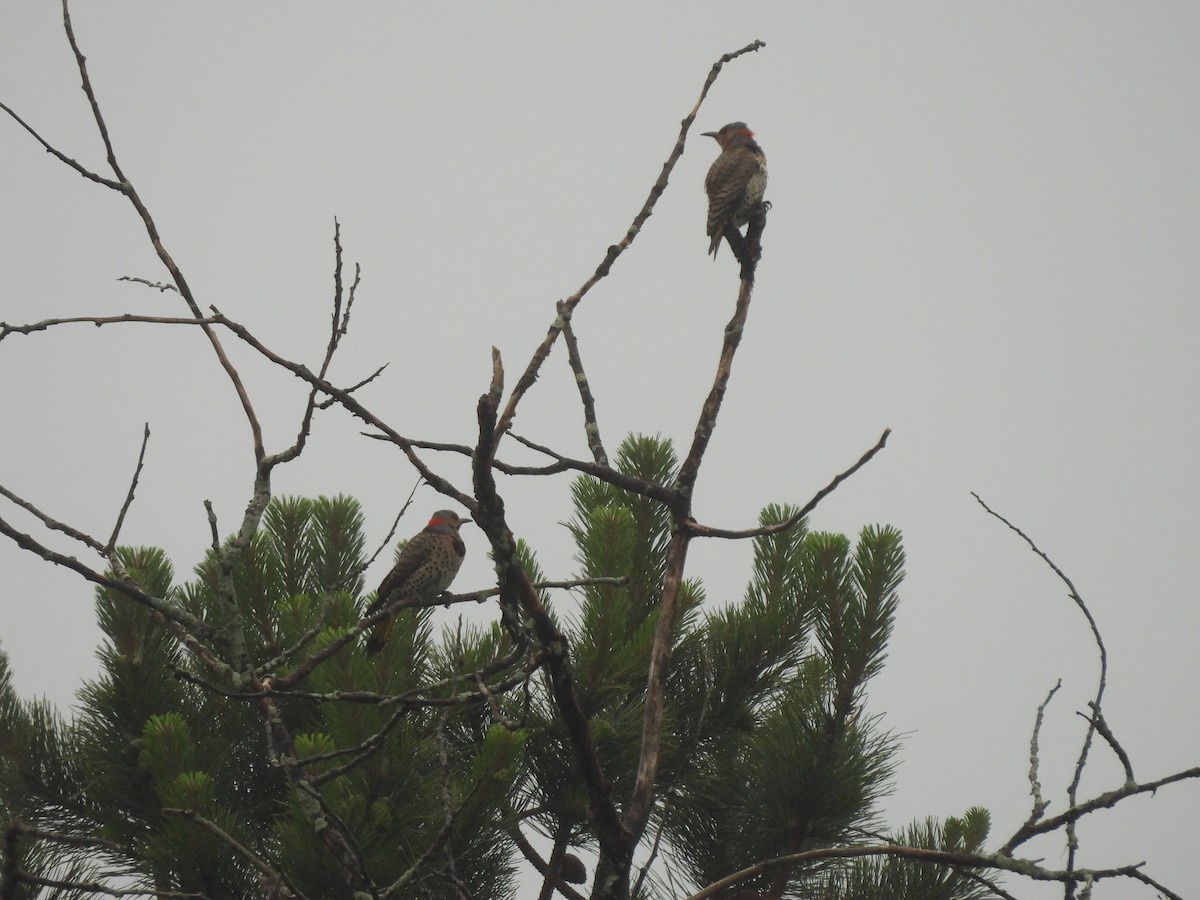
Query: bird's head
point(731, 135)
point(446, 521)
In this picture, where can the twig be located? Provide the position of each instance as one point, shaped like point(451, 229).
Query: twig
point(339, 323)
point(706, 531)
point(591, 427)
point(1101, 724)
point(112, 540)
point(271, 873)
point(626, 482)
point(212, 526)
point(86, 173)
point(1040, 804)
point(178, 617)
point(361, 752)
point(329, 401)
point(387, 538)
point(1081, 762)
point(46, 324)
point(1146, 879)
point(940, 857)
point(351, 405)
point(54, 524)
point(1106, 800)
point(162, 288)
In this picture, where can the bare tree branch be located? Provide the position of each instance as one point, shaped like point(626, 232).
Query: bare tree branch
point(53, 524)
point(1040, 804)
point(162, 288)
point(1105, 732)
point(1081, 762)
point(1106, 800)
point(46, 324)
point(439, 484)
point(112, 540)
point(962, 861)
point(706, 531)
point(591, 427)
point(339, 322)
point(86, 173)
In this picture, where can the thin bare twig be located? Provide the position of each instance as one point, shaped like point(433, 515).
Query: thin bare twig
point(351, 405)
point(178, 619)
point(1146, 879)
point(339, 322)
point(162, 288)
point(962, 861)
point(1081, 762)
point(53, 524)
point(1106, 800)
point(273, 874)
point(1040, 804)
point(626, 482)
point(1105, 732)
point(706, 531)
point(112, 540)
point(62, 157)
point(591, 427)
point(387, 538)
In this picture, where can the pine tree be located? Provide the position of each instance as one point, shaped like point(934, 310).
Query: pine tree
point(769, 746)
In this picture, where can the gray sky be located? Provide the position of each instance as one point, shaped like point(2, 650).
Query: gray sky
point(983, 236)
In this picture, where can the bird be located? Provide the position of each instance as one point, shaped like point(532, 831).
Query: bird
point(424, 569)
point(736, 181)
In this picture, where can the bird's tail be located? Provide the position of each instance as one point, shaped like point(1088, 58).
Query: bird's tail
point(379, 635)
point(715, 244)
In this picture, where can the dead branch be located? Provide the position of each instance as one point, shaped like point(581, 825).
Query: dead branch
point(591, 427)
point(706, 531)
point(961, 861)
point(112, 540)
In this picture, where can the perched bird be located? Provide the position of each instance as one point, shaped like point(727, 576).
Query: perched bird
point(736, 181)
point(425, 568)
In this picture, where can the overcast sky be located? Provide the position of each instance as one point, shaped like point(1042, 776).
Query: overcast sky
point(984, 236)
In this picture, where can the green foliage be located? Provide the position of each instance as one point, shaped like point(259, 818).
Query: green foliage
point(767, 748)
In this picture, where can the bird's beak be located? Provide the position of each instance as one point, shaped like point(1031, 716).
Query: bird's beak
point(708, 134)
